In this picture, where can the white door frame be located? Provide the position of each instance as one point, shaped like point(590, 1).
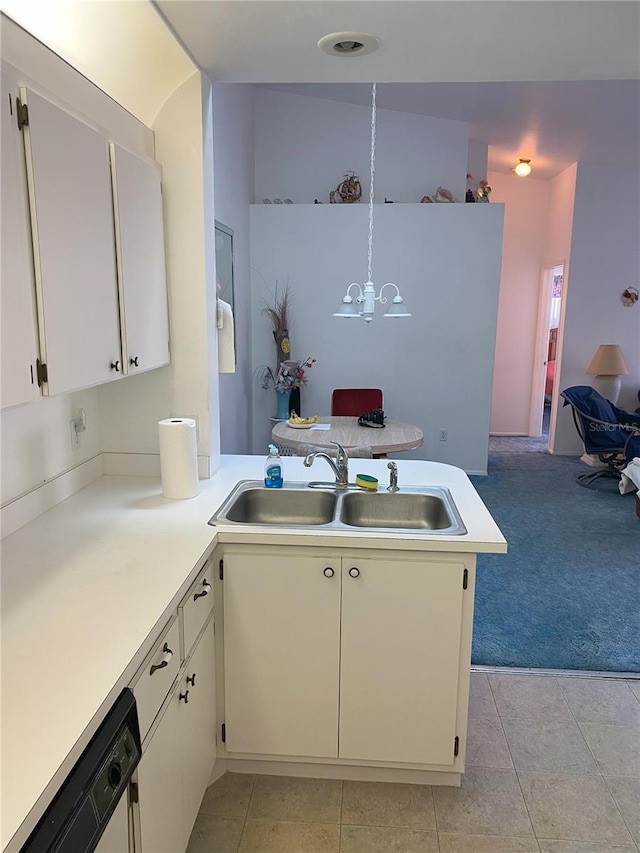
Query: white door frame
point(536, 408)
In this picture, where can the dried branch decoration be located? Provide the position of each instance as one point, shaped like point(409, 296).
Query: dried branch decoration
point(278, 311)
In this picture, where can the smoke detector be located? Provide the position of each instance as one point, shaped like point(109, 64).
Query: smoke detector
point(348, 44)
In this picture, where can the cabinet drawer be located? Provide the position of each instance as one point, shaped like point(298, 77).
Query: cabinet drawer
point(156, 677)
point(196, 607)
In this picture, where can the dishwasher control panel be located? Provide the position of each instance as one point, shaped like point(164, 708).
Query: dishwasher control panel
point(115, 773)
point(80, 811)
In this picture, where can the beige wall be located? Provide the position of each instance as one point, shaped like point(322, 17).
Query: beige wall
point(526, 204)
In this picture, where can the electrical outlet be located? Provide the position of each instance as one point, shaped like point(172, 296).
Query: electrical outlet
point(78, 425)
point(443, 435)
point(75, 437)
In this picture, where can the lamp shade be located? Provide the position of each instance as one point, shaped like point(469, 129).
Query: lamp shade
point(608, 361)
point(397, 308)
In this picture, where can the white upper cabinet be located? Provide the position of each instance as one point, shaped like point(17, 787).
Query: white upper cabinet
point(17, 382)
point(73, 244)
point(137, 200)
point(84, 294)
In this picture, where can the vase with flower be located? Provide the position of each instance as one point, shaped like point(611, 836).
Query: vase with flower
point(289, 377)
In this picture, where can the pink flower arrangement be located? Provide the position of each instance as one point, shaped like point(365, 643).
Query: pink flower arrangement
point(290, 375)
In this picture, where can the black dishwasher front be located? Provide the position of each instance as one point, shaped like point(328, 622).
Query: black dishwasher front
point(80, 811)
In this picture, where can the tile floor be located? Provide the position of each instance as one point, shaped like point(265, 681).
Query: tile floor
point(553, 766)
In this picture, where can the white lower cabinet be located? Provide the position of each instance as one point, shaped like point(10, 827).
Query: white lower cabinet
point(400, 656)
point(344, 657)
point(281, 653)
point(160, 786)
point(178, 758)
point(198, 726)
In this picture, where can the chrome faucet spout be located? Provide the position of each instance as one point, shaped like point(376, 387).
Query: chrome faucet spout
point(393, 477)
point(339, 465)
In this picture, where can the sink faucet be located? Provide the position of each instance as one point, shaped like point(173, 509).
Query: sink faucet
point(339, 466)
point(393, 477)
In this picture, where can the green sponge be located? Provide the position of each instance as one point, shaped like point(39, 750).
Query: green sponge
point(365, 481)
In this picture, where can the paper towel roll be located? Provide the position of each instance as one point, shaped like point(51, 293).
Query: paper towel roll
point(178, 458)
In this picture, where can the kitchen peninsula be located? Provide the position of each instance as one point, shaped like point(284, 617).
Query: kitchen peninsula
point(89, 588)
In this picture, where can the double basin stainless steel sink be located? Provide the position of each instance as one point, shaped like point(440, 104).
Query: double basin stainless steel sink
point(415, 509)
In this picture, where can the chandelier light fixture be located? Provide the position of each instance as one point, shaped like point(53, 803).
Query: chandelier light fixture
point(364, 303)
point(523, 168)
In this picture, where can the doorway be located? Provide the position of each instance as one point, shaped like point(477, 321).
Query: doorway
point(546, 367)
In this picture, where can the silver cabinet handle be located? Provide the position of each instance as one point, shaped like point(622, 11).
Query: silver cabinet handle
point(354, 573)
point(206, 586)
point(168, 654)
point(328, 572)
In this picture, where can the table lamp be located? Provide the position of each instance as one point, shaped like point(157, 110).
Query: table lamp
point(608, 365)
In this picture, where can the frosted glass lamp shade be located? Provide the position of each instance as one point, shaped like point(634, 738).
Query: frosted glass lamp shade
point(523, 168)
point(397, 308)
point(348, 308)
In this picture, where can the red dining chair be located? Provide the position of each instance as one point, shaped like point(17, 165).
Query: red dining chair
point(353, 402)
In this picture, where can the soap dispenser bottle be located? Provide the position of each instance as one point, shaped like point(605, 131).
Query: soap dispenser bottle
point(273, 469)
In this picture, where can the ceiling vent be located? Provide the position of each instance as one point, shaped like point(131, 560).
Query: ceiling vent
point(348, 44)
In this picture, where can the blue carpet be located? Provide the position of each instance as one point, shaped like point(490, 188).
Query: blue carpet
point(567, 594)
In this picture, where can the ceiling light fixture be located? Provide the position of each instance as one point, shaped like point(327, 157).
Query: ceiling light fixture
point(365, 302)
point(348, 44)
point(523, 168)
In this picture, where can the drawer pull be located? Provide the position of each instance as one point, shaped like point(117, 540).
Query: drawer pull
point(205, 591)
point(353, 572)
point(191, 679)
point(168, 654)
point(328, 572)
point(184, 696)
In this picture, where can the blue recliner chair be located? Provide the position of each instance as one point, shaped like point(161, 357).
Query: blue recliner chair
point(610, 433)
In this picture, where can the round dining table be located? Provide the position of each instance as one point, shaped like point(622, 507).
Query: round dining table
point(393, 437)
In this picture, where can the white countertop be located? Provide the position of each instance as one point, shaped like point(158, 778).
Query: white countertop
point(88, 586)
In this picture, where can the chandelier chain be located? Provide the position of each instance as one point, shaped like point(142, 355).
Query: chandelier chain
point(372, 172)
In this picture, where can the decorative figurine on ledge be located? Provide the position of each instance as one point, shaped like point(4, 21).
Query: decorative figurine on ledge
point(347, 191)
point(443, 195)
point(484, 191)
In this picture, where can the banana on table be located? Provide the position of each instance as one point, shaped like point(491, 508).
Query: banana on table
point(296, 419)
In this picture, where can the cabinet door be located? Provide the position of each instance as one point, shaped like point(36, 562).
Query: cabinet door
point(198, 724)
point(144, 319)
point(162, 827)
point(73, 240)
point(18, 331)
point(281, 654)
point(401, 626)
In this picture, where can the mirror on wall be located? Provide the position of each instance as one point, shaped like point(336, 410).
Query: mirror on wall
point(224, 263)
